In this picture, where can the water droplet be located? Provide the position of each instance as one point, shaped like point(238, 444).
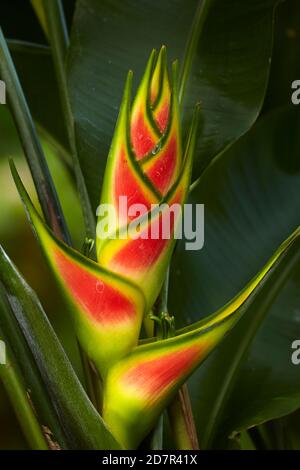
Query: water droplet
point(99, 287)
point(156, 149)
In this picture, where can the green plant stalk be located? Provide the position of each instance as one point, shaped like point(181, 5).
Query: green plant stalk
point(12, 380)
point(261, 305)
point(156, 438)
point(182, 421)
point(59, 41)
point(31, 144)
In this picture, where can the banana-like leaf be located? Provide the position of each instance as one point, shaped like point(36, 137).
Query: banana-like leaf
point(82, 425)
point(139, 386)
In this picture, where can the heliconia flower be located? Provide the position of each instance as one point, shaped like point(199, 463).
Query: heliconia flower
point(110, 298)
point(146, 166)
point(141, 385)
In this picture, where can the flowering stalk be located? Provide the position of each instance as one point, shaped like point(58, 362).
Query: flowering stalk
point(109, 299)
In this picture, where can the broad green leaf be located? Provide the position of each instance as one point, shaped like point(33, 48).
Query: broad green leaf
point(82, 424)
point(229, 67)
point(251, 198)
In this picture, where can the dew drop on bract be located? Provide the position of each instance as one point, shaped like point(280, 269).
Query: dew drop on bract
point(156, 149)
point(99, 287)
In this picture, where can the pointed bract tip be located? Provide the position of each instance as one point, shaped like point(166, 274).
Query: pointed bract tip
point(175, 76)
point(152, 57)
point(163, 54)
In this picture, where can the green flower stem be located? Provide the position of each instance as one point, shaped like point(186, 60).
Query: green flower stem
point(182, 421)
point(156, 438)
point(20, 400)
point(59, 42)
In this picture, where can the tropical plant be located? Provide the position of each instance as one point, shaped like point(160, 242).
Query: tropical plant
point(178, 348)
